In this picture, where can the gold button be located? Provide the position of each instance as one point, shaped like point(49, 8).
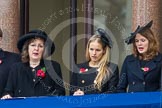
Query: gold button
point(83, 81)
point(19, 91)
point(33, 70)
point(33, 80)
point(95, 81)
point(144, 83)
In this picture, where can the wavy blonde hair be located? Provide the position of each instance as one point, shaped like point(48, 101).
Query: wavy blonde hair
point(104, 72)
point(153, 47)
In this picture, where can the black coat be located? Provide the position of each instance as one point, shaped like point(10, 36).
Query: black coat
point(24, 82)
point(85, 81)
point(6, 60)
point(133, 77)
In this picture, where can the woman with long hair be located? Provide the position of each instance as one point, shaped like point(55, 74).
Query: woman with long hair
point(141, 71)
point(97, 74)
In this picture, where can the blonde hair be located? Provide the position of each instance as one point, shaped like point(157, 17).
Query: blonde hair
point(103, 71)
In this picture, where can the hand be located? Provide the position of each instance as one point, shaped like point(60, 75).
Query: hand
point(6, 97)
point(78, 93)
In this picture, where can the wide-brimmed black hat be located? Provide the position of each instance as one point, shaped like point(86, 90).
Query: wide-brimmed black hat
point(139, 29)
point(49, 45)
point(104, 37)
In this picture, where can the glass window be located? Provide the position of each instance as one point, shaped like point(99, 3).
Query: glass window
point(115, 17)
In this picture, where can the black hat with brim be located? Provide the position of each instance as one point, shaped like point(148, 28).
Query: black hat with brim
point(139, 29)
point(50, 47)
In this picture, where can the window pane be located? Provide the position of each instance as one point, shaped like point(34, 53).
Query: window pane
point(115, 17)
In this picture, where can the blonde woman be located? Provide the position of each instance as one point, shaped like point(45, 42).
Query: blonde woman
point(97, 74)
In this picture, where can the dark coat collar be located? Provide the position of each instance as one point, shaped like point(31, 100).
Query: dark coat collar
point(2, 53)
point(134, 63)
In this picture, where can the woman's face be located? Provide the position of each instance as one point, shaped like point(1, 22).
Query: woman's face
point(36, 49)
point(95, 51)
point(141, 43)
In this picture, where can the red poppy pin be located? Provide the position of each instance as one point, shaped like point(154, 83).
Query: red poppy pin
point(145, 69)
point(41, 72)
point(83, 70)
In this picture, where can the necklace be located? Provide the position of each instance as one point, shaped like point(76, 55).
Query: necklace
point(33, 65)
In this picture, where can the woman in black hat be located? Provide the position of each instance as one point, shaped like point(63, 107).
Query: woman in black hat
point(34, 76)
point(97, 75)
point(141, 71)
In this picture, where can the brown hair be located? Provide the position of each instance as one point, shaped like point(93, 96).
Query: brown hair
point(24, 53)
point(1, 34)
point(153, 47)
point(103, 68)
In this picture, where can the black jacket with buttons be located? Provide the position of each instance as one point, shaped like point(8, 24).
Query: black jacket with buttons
point(85, 80)
point(24, 82)
point(6, 60)
point(133, 77)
